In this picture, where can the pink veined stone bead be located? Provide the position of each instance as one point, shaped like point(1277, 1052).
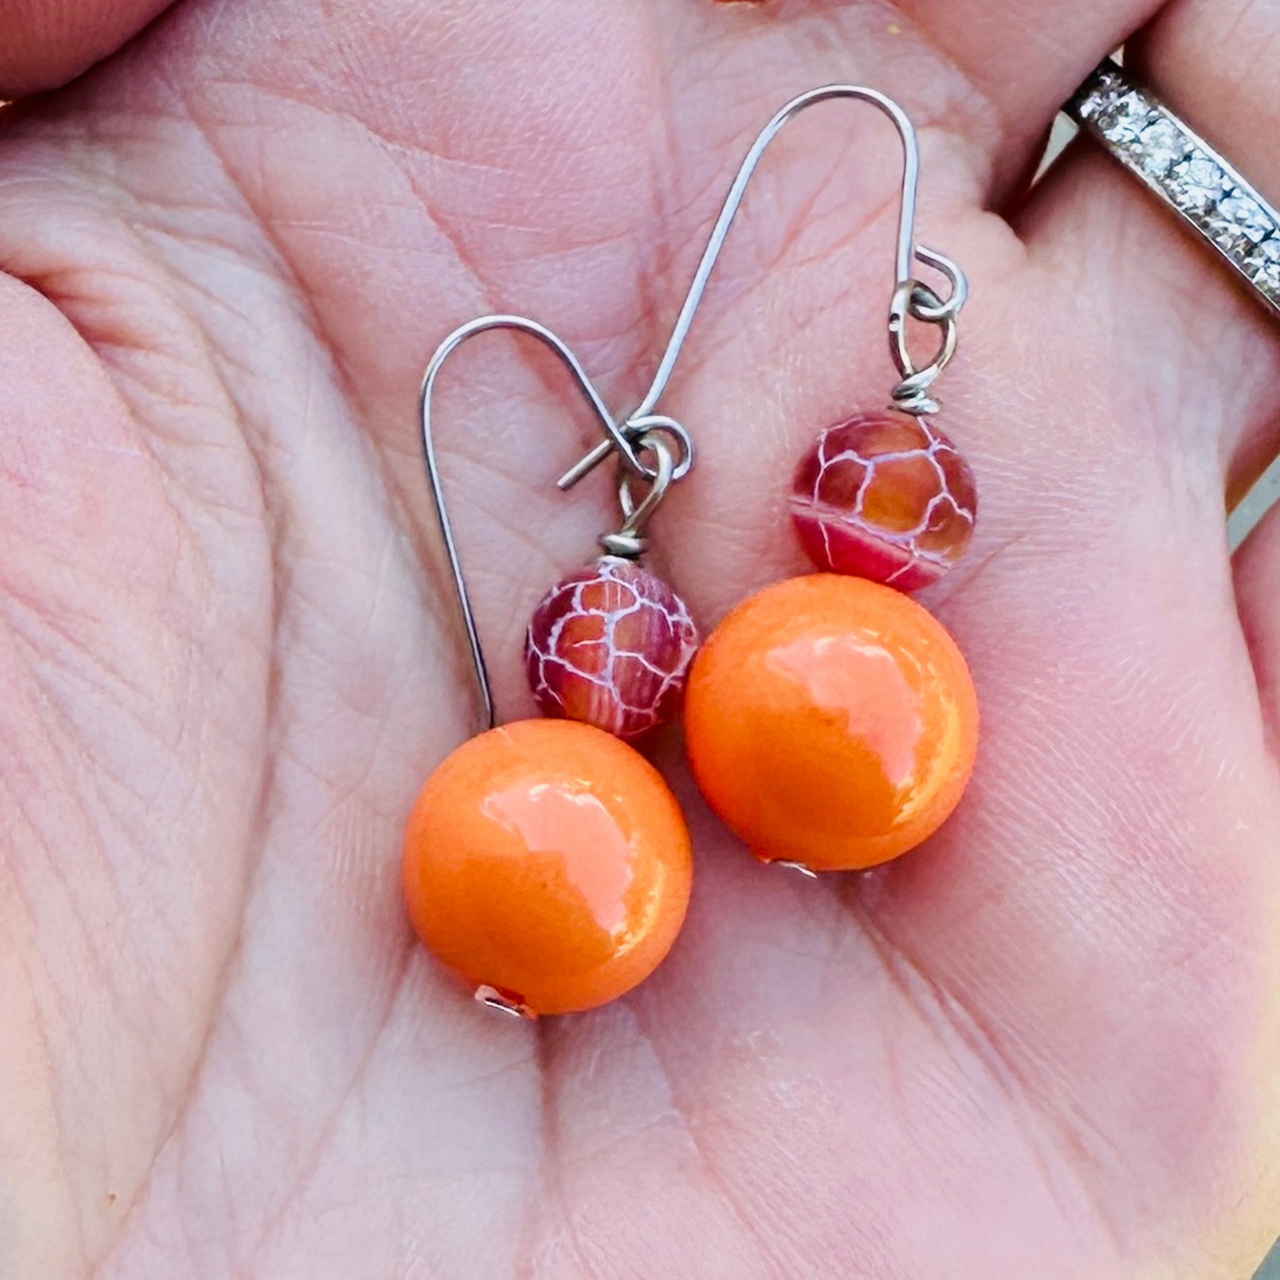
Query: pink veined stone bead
point(610, 645)
point(885, 496)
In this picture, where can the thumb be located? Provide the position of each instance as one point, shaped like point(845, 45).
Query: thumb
point(45, 43)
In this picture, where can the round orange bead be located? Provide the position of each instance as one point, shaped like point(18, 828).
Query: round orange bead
point(549, 861)
point(832, 722)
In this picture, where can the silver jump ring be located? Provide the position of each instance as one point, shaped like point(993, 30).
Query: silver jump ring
point(639, 430)
point(904, 306)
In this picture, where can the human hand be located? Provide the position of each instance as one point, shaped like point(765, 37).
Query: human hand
point(1044, 1045)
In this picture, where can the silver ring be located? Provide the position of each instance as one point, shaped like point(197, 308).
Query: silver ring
point(1185, 172)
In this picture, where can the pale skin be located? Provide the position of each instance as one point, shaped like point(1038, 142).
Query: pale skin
point(1047, 1044)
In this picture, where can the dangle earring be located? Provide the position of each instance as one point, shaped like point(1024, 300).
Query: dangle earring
point(545, 861)
point(830, 720)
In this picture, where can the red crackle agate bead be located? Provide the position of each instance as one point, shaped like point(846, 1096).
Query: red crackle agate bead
point(885, 496)
point(611, 645)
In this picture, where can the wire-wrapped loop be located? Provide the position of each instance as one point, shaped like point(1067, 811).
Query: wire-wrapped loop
point(917, 301)
point(629, 541)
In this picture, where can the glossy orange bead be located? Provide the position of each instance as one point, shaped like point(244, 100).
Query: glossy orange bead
point(549, 861)
point(832, 722)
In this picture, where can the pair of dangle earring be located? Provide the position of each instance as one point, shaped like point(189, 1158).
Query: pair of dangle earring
point(830, 720)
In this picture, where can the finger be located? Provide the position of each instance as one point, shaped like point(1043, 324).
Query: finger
point(1173, 329)
point(1214, 64)
point(102, 612)
point(1021, 56)
point(990, 74)
point(1096, 224)
point(1257, 593)
point(49, 42)
point(1142, 368)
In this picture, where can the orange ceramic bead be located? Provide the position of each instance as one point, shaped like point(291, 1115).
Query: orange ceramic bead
point(549, 861)
point(831, 722)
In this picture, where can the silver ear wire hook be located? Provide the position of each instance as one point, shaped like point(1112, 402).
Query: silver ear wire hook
point(612, 433)
point(910, 298)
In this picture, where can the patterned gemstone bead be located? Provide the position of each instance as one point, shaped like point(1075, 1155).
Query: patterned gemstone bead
point(611, 646)
point(885, 496)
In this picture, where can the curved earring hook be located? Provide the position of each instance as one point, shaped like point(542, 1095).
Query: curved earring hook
point(585, 385)
point(923, 303)
point(906, 249)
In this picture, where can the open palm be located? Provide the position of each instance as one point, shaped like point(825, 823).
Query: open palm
point(1045, 1045)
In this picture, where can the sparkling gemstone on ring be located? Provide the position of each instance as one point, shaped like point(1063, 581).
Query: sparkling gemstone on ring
point(1163, 146)
point(1248, 216)
point(1264, 265)
point(1197, 182)
point(1127, 118)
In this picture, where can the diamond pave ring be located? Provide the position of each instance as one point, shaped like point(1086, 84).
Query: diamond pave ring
point(1185, 172)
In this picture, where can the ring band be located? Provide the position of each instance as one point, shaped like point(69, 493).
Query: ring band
point(1185, 172)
